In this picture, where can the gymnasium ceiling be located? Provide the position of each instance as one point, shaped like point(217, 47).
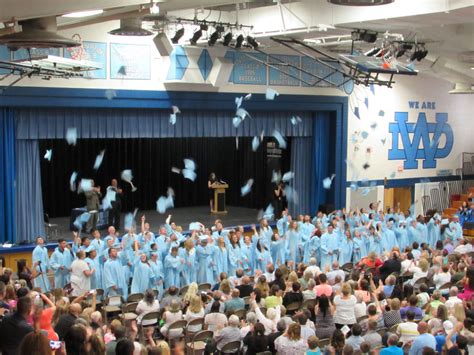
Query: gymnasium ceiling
point(446, 26)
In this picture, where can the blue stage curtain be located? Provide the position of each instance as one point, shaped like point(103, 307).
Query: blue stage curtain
point(320, 157)
point(302, 165)
point(7, 175)
point(29, 198)
point(52, 123)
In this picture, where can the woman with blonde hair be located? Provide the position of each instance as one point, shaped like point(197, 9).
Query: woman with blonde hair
point(419, 271)
point(171, 315)
point(262, 286)
point(195, 310)
point(192, 291)
point(344, 305)
point(458, 314)
point(291, 342)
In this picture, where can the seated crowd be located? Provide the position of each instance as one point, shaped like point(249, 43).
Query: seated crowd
point(414, 298)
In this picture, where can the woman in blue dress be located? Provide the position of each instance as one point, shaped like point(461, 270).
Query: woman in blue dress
point(293, 239)
point(188, 254)
point(347, 246)
point(235, 255)
point(277, 249)
point(262, 257)
point(220, 257)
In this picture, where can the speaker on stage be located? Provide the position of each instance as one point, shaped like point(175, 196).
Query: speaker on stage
point(163, 44)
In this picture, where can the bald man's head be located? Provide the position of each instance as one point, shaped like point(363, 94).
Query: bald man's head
point(423, 327)
point(75, 309)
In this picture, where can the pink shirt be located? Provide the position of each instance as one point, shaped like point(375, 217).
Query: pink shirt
point(323, 289)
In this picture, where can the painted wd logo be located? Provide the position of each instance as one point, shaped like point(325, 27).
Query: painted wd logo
point(420, 132)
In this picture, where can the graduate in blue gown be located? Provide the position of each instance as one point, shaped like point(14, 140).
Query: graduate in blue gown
point(235, 254)
point(414, 234)
point(142, 275)
point(204, 254)
point(220, 257)
point(359, 247)
point(346, 248)
point(389, 240)
point(329, 247)
point(41, 264)
point(262, 257)
point(306, 229)
point(293, 240)
point(247, 248)
point(94, 263)
point(375, 241)
point(311, 249)
point(113, 278)
point(60, 262)
point(188, 254)
point(162, 241)
point(265, 232)
point(283, 223)
point(434, 230)
point(423, 229)
point(97, 242)
point(158, 274)
point(173, 265)
point(402, 236)
point(277, 249)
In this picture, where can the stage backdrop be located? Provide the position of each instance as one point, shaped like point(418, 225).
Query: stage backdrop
point(151, 161)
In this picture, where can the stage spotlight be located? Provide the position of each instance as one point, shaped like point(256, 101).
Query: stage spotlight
point(251, 41)
point(422, 54)
point(238, 41)
point(402, 49)
point(177, 36)
point(213, 39)
point(196, 36)
point(204, 27)
point(227, 39)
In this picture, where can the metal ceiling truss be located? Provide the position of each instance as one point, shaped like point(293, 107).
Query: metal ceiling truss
point(349, 71)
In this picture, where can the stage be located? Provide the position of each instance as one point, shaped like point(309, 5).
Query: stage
point(183, 216)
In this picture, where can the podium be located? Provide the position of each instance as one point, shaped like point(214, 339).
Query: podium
point(219, 198)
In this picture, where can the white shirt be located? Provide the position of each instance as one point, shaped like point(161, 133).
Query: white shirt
point(144, 308)
point(331, 275)
point(463, 249)
point(79, 281)
point(417, 274)
point(441, 278)
point(314, 269)
point(452, 301)
point(407, 331)
point(405, 265)
point(345, 313)
point(285, 346)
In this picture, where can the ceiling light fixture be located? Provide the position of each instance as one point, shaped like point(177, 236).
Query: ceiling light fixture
point(80, 14)
point(154, 9)
point(213, 38)
point(177, 36)
point(227, 39)
point(252, 42)
point(238, 41)
point(130, 27)
point(196, 37)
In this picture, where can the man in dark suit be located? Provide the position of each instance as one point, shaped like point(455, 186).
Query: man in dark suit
point(93, 205)
point(114, 212)
point(14, 327)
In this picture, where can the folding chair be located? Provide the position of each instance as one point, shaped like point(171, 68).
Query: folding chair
point(183, 290)
point(174, 327)
point(129, 311)
point(199, 342)
point(293, 307)
point(152, 316)
point(112, 304)
point(231, 348)
point(241, 313)
point(323, 343)
point(194, 326)
point(135, 297)
point(204, 287)
point(309, 304)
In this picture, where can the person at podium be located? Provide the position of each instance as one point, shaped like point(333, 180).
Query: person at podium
point(210, 184)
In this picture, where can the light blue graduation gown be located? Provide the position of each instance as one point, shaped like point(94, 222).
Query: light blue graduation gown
point(433, 232)
point(277, 250)
point(262, 259)
point(96, 278)
point(142, 277)
point(359, 247)
point(98, 245)
point(311, 249)
point(248, 256)
point(220, 259)
point(113, 276)
point(293, 240)
point(375, 243)
point(345, 254)
point(204, 268)
point(402, 236)
point(306, 229)
point(158, 277)
point(389, 240)
point(329, 244)
point(265, 235)
point(163, 246)
point(40, 253)
point(173, 267)
point(235, 258)
point(58, 259)
point(188, 274)
point(414, 235)
point(423, 229)
point(282, 225)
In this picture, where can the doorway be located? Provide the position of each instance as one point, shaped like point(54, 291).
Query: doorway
point(398, 197)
